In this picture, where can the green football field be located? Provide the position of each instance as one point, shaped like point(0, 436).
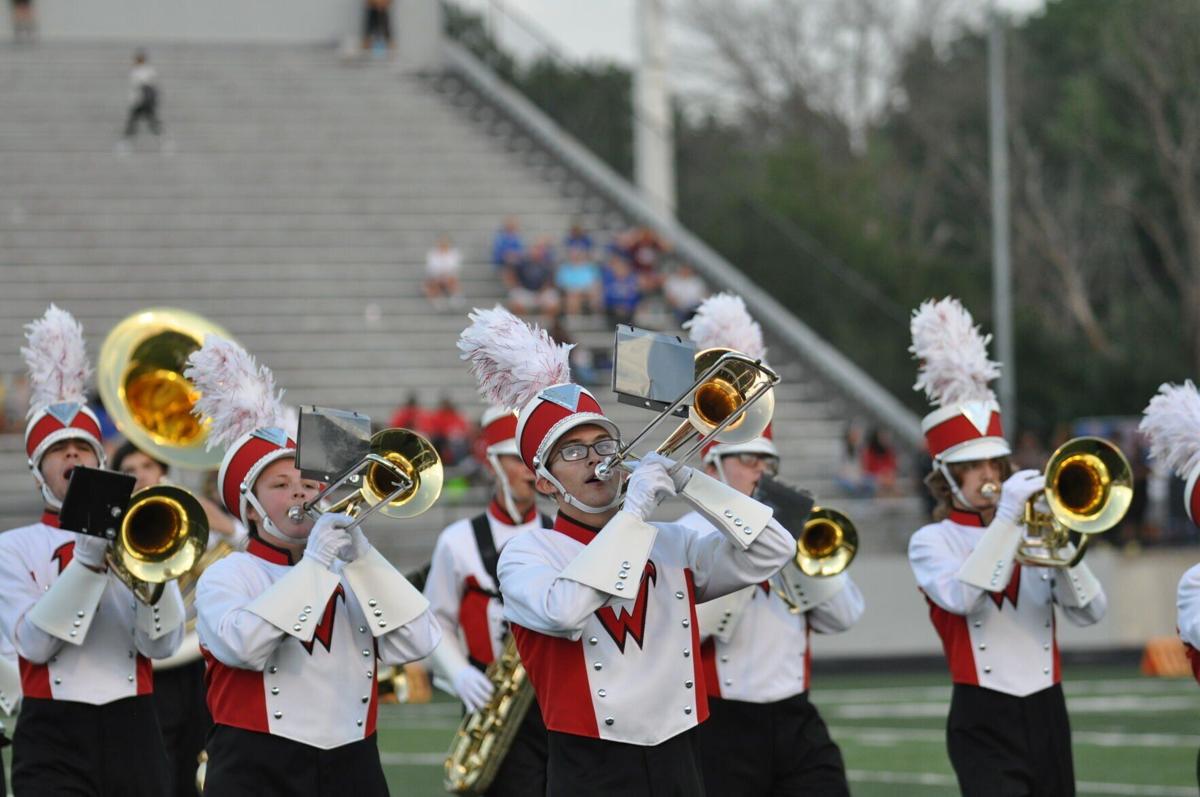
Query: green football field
point(1132, 735)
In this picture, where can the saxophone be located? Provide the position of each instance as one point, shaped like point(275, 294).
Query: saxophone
point(484, 737)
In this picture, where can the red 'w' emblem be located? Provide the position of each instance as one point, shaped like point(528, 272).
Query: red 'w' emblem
point(630, 624)
point(324, 632)
point(1011, 591)
point(63, 554)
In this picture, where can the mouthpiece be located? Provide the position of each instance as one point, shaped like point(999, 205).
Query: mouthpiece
point(296, 514)
point(989, 489)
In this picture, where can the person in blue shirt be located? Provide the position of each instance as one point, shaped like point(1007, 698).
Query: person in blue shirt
point(622, 293)
point(507, 245)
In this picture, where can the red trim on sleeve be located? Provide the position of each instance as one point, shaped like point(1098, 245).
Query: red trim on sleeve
point(473, 620)
point(235, 697)
point(145, 676)
point(35, 679)
point(956, 642)
point(558, 672)
point(697, 663)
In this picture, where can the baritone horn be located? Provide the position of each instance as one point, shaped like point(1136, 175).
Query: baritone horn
point(827, 544)
point(731, 401)
point(1089, 486)
point(141, 382)
point(399, 477)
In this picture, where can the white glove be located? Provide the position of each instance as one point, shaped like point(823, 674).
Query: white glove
point(327, 538)
point(649, 485)
point(472, 687)
point(91, 550)
point(357, 547)
point(1016, 492)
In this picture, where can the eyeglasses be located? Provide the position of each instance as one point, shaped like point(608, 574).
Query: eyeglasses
point(577, 451)
point(769, 461)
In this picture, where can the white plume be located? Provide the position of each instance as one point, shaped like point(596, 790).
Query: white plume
point(237, 394)
point(952, 352)
point(512, 361)
point(57, 359)
point(1171, 421)
point(722, 320)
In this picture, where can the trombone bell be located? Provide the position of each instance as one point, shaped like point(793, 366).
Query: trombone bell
point(417, 460)
point(725, 393)
point(827, 544)
point(163, 533)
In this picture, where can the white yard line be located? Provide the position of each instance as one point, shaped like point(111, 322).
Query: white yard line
point(1120, 704)
point(1183, 688)
point(412, 759)
point(1083, 787)
point(893, 736)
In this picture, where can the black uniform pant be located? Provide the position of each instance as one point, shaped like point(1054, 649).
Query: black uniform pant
point(62, 748)
point(523, 772)
point(248, 764)
point(769, 750)
point(580, 766)
point(184, 719)
point(1005, 746)
point(145, 109)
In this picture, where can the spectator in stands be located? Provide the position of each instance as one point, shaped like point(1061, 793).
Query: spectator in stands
point(16, 402)
point(581, 359)
point(443, 265)
point(143, 97)
point(645, 250)
point(24, 26)
point(684, 291)
point(450, 432)
point(411, 416)
point(577, 236)
point(530, 282)
point(579, 280)
point(377, 25)
point(508, 246)
point(622, 291)
point(879, 462)
point(850, 476)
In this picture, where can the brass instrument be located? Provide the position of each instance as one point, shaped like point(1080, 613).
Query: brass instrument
point(140, 378)
point(827, 544)
point(732, 401)
point(163, 533)
point(484, 737)
point(1089, 486)
point(400, 477)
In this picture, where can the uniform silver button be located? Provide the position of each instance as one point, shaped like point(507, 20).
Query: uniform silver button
point(679, 595)
point(1046, 670)
point(724, 659)
point(360, 723)
point(978, 624)
point(622, 574)
point(77, 623)
point(620, 585)
point(372, 602)
point(274, 669)
point(687, 709)
point(307, 609)
point(383, 623)
point(362, 629)
point(304, 618)
point(687, 684)
point(274, 690)
point(72, 633)
point(296, 627)
point(982, 646)
point(728, 513)
point(1046, 646)
point(602, 692)
point(278, 715)
point(987, 669)
point(131, 654)
point(597, 666)
point(686, 623)
point(728, 681)
point(687, 652)
point(1047, 623)
point(366, 698)
point(377, 613)
point(608, 720)
point(625, 565)
point(57, 681)
point(370, 673)
point(366, 652)
point(130, 679)
point(592, 640)
point(79, 614)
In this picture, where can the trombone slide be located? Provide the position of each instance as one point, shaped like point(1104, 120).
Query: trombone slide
point(739, 517)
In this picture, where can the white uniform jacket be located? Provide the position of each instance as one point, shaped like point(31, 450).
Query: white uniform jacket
point(312, 681)
point(106, 656)
point(460, 591)
point(10, 678)
point(625, 669)
point(754, 648)
point(1188, 616)
point(1004, 641)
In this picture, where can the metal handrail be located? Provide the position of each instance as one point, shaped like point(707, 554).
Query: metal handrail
point(835, 367)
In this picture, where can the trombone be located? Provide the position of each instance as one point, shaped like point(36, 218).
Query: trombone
point(732, 400)
point(399, 477)
point(827, 544)
point(1089, 486)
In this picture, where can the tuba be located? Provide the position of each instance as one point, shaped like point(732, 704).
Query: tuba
point(484, 737)
point(399, 477)
point(1089, 486)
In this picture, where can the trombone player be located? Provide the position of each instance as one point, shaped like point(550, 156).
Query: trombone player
point(1008, 731)
point(755, 642)
point(86, 723)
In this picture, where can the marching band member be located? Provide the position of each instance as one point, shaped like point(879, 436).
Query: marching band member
point(755, 647)
point(602, 606)
point(179, 695)
point(1171, 422)
point(10, 697)
point(294, 627)
point(86, 723)
point(1008, 731)
point(462, 589)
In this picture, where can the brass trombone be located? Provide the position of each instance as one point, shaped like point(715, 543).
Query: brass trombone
point(827, 544)
point(399, 477)
point(1089, 486)
point(732, 401)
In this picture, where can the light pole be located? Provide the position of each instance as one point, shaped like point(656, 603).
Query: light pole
point(1001, 256)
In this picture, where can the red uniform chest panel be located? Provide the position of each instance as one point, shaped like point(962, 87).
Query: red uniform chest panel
point(558, 672)
point(235, 697)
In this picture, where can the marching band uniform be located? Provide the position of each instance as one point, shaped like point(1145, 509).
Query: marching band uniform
point(84, 641)
point(10, 697)
point(464, 595)
point(1008, 730)
point(763, 736)
point(292, 643)
point(605, 618)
